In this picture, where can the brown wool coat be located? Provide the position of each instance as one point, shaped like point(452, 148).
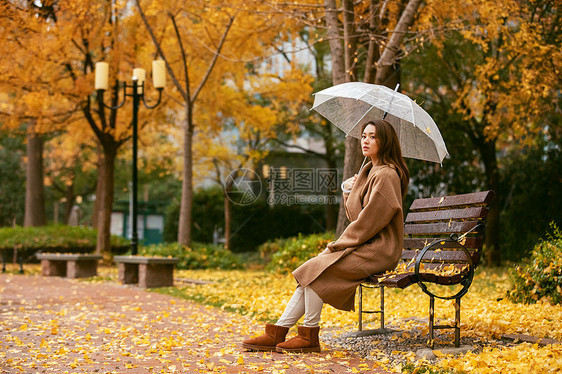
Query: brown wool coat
point(371, 243)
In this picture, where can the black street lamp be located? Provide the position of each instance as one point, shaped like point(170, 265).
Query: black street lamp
point(136, 88)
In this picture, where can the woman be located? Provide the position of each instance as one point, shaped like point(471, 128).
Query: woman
point(371, 243)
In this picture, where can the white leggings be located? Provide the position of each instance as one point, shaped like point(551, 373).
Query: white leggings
point(303, 302)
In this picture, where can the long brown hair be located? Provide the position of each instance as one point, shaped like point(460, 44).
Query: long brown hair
point(389, 152)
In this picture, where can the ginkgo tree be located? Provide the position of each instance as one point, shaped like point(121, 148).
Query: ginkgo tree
point(495, 76)
point(64, 47)
point(367, 41)
point(49, 74)
point(207, 45)
point(70, 165)
point(249, 123)
point(32, 103)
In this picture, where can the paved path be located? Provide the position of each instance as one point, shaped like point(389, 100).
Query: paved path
point(58, 325)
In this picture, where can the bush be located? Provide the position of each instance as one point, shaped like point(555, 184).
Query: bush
point(292, 252)
point(269, 248)
point(258, 223)
point(199, 256)
point(251, 225)
point(207, 215)
point(542, 277)
point(55, 238)
point(532, 186)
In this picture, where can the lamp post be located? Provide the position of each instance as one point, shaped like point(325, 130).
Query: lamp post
point(136, 90)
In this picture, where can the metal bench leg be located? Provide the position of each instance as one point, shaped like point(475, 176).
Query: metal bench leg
point(456, 326)
point(360, 331)
point(431, 320)
point(360, 327)
point(381, 311)
point(458, 322)
point(382, 307)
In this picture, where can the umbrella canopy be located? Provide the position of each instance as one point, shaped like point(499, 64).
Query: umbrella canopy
point(349, 105)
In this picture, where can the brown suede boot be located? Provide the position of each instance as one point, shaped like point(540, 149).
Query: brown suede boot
point(305, 341)
point(273, 335)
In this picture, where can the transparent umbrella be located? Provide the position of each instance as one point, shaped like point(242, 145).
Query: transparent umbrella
point(349, 105)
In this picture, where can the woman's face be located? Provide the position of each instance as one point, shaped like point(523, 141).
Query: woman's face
point(369, 144)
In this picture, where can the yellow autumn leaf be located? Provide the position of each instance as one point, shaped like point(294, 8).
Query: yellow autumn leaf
point(438, 353)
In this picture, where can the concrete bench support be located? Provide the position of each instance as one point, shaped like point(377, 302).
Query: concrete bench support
point(69, 265)
point(146, 272)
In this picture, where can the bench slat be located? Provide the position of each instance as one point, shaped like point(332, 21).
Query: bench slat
point(404, 280)
point(418, 243)
point(439, 279)
point(446, 215)
point(443, 267)
point(476, 198)
point(439, 228)
point(438, 256)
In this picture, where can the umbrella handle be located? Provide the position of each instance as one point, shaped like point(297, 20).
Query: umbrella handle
point(365, 159)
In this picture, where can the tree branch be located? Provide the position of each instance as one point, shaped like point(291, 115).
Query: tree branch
point(388, 56)
point(215, 58)
point(318, 154)
point(161, 52)
point(184, 60)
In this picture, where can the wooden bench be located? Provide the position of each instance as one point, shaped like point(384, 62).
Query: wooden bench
point(70, 265)
point(442, 245)
point(146, 272)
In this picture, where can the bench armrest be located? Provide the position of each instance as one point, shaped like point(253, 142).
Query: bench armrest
point(465, 280)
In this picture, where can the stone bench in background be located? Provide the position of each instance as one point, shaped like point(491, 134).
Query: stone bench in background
point(146, 272)
point(69, 265)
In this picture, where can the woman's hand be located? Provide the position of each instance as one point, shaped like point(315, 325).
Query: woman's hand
point(325, 252)
point(348, 184)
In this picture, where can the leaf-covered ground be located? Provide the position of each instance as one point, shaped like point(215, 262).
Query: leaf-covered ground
point(75, 330)
point(486, 314)
point(57, 325)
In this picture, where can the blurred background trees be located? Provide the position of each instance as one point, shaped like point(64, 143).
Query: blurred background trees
point(240, 82)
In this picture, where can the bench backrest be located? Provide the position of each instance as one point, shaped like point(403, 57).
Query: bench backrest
point(436, 218)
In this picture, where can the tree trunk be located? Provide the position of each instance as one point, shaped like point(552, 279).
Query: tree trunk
point(227, 212)
point(389, 55)
point(184, 229)
point(386, 67)
point(340, 74)
point(99, 186)
point(331, 209)
point(350, 39)
point(373, 52)
point(352, 162)
point(336, 44)
point(105, 199)
point(69, 196)
point(34, 187)
point(353, 156)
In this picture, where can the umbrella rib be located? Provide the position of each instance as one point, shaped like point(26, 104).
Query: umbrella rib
point(412, 113)
point(360, 119)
